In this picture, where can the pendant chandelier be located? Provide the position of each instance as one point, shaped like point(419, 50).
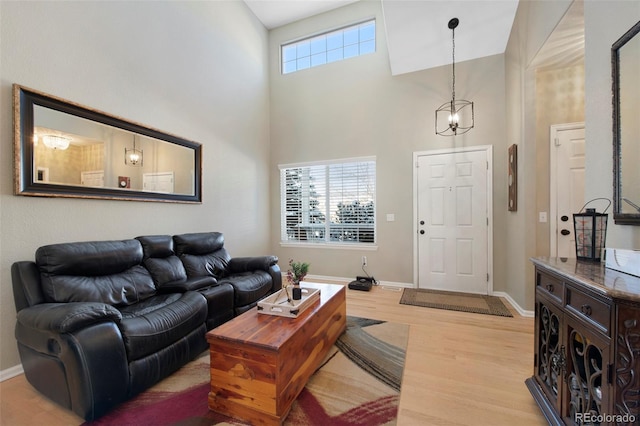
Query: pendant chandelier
point(456, 116)
point(133, 156)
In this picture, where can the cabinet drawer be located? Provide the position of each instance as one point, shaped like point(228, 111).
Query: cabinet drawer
point(551, 286)
point(589, 308)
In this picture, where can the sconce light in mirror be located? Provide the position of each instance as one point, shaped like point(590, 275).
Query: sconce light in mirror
point(63, 149)
point(133, 156)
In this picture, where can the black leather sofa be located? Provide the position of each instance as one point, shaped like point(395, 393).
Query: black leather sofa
point(99, 322)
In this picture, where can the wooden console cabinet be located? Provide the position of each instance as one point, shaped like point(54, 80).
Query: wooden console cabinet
point(587, 344)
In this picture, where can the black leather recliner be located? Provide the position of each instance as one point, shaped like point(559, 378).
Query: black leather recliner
point(252, 278)
point(99, 322)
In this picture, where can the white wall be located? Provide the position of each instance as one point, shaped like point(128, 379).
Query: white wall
point(194, 69)
point(356, 108)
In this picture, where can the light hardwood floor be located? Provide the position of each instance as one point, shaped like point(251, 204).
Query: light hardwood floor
point(460, 369)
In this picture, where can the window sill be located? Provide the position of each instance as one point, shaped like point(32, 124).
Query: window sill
point(354, 246)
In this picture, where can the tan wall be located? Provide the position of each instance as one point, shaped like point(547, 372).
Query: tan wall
point(605, 22)
point(533, 24)
point(357, 108)
point(193, 69)
point(559, 99)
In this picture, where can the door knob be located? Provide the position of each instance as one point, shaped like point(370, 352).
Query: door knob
point(422, 231)
point(565, 232)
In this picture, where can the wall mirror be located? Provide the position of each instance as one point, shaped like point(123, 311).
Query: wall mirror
point(63, 149)
point(625, 65)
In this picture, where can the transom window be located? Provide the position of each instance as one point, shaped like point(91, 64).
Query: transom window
point(329, 203)
point(355, 40)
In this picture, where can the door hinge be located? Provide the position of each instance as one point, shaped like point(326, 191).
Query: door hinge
point(487, 277)
point(556, 142)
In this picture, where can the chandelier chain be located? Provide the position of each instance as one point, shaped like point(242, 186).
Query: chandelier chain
point(453, 55)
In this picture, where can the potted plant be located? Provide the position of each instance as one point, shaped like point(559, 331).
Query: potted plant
point(296, 273)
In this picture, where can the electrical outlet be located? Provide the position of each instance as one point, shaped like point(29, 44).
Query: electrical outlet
point(364, 260)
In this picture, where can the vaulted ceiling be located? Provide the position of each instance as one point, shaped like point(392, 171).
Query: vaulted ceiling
point(418, 36)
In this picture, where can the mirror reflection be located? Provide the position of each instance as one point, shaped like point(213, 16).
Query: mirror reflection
point(629, 57)
point(625, 56)
point(68, 150)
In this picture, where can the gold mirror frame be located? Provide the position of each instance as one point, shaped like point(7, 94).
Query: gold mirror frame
point(28, 179)
point(620, 202)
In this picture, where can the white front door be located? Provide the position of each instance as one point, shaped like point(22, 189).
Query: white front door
point(566, 185)
point(453, 192)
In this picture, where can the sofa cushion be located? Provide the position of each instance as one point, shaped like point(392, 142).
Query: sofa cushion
point(159, 321)
point(202, 254)
point(214, 264)
point(249, 286)
point(99, 271)
point(156, 246)
point(198, 243)
point(168, 270)
point(161, 261)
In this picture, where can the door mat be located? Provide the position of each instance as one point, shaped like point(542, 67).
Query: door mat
point(452, 301)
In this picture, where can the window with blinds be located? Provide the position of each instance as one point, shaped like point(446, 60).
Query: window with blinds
point(329, 203)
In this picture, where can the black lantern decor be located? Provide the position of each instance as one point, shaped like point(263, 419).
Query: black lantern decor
point(590, 231)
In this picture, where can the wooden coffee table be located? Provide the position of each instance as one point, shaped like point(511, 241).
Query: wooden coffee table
point(260, 362)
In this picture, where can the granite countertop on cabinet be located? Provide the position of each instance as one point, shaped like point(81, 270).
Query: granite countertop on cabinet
point(594, 275)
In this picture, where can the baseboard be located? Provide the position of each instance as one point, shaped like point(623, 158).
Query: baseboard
point(345, 281)
point(518, 308)
point(11, 372)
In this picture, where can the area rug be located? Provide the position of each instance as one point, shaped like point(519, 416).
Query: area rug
point(358, 383)
point(464, 302)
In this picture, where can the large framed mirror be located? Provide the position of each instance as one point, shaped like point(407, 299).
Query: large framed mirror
point(625, 66)
point(63, 149)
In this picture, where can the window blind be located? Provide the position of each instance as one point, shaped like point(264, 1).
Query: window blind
point(330, 203)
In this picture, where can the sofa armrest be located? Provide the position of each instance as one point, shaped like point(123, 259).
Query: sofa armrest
point(190, 284)
point(66, 317)
point(249, 264)
point(276, 276)
point(73, 353)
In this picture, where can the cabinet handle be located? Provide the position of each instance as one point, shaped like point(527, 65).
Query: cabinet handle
point(550, 288)
point(586, 309)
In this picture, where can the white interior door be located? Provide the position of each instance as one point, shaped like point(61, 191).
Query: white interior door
point(92, 178)
point(158, 182)
point(453, 191)
point(566, 185)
